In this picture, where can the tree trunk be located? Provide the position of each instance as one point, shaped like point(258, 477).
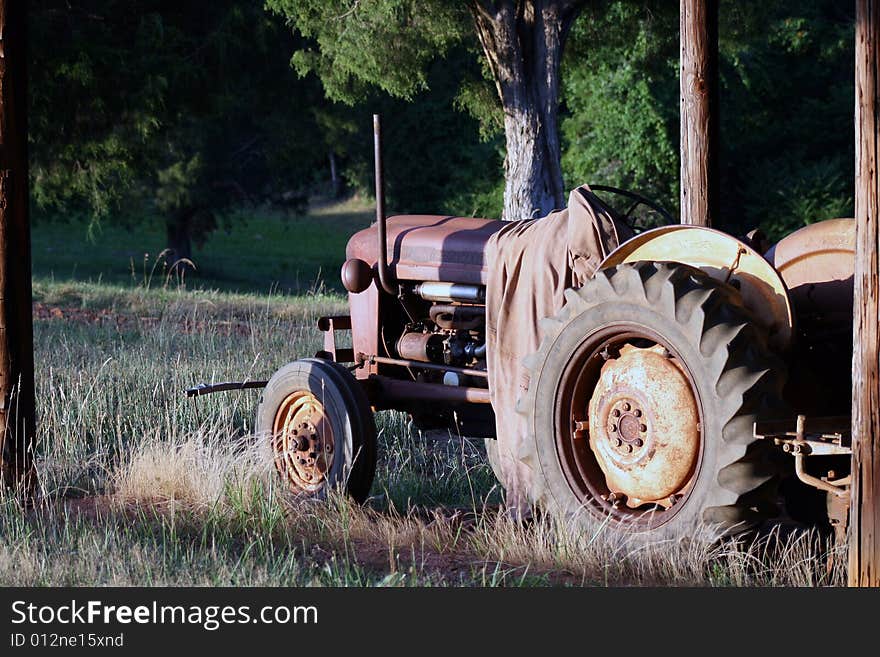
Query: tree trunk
point(179, 239)
point(336, 187)
point(17, 403)
point(864, 533)
point(698, 20)
point(523, 41)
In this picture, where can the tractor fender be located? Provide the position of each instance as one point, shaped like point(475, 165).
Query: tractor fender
point(724, 258)
point(817, 263)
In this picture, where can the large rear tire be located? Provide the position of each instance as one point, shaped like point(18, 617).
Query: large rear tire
point(321, 429)
point(641, 405)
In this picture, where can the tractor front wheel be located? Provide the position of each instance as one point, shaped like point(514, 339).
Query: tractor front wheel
point(320, 427)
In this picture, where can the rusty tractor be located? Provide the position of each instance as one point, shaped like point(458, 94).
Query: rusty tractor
point(696, 379)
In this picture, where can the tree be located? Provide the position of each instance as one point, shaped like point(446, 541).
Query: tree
point(620, 100)
point(175, 110)
point(389, 43)
point(786, 156)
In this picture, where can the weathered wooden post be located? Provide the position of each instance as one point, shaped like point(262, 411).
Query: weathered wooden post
point(864, 536)
point(698, 71)
point(16, 322)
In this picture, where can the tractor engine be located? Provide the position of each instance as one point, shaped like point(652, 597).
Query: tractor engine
point(450, 331)
point(419, 337)
point(435, 341)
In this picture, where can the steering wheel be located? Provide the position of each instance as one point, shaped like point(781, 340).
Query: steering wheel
point(665, 219)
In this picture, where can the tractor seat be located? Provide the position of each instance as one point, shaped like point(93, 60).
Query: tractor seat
point(430, 247)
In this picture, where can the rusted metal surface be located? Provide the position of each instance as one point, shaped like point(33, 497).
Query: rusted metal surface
point(329, 326)
point(386, 279)
point(356, 275)
point(431, 248)
point(644, 426)
point(832, 432)
point(385, 392)
point(583, 410)
point(838, 516)
point(828, 437)
point(208, 388)
point(365, 309)
point(425, 347)
point(449, 316)
point(816, 262)
point(403, 362)
point(302, 442)
point(724, 258)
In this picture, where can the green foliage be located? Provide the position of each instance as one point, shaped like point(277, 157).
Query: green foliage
point(359, 44)
point(786, 121)
point(157, 109)
point(167, 106)
point(786, 89)
point(85, 132)
point(435, 160)
point(619, 127)
point(412, 62)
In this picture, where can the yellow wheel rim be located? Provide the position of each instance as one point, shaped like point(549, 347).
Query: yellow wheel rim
point(303, 442)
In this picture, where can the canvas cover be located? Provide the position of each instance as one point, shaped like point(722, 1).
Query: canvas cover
point(531, 263)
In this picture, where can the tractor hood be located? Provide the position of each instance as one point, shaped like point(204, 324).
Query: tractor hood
point(430, 247)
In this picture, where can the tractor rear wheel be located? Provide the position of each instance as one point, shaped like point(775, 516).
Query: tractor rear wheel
point(320, 427)
point(641, 403)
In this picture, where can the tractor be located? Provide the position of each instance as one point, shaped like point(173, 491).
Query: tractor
point(696, 380)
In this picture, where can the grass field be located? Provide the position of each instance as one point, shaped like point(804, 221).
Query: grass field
point(253, 251)
point(139, 485)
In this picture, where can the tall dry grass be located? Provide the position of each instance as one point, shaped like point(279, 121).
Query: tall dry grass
point(142, 486)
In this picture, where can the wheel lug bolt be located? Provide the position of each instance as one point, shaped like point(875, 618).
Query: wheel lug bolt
point(615, 412)
point(629, 449)
point(638, 442)
point(643, 428)
point(626, 406)
point(638, 412)
point(613, 428)
point(618, 442)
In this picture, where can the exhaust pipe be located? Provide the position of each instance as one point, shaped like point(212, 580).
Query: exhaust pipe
point(386, 280)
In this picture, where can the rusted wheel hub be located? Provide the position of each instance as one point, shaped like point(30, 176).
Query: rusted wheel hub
point(644, 427)
point(302, 443)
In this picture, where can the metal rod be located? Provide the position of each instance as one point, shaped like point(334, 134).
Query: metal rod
point(403, 362)
point(386, 280)
point(801, 471)
point(392, 390)
point(208, 388)
point(810, 480)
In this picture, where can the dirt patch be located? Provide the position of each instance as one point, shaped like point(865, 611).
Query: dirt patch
point(449, 566)
point(452, 566)
point(131, 322)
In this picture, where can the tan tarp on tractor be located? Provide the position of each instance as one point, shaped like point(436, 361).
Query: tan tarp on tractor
point(531, 263)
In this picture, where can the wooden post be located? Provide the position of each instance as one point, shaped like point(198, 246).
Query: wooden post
point(16, 321)
point(698, 21)
point(864, 535)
